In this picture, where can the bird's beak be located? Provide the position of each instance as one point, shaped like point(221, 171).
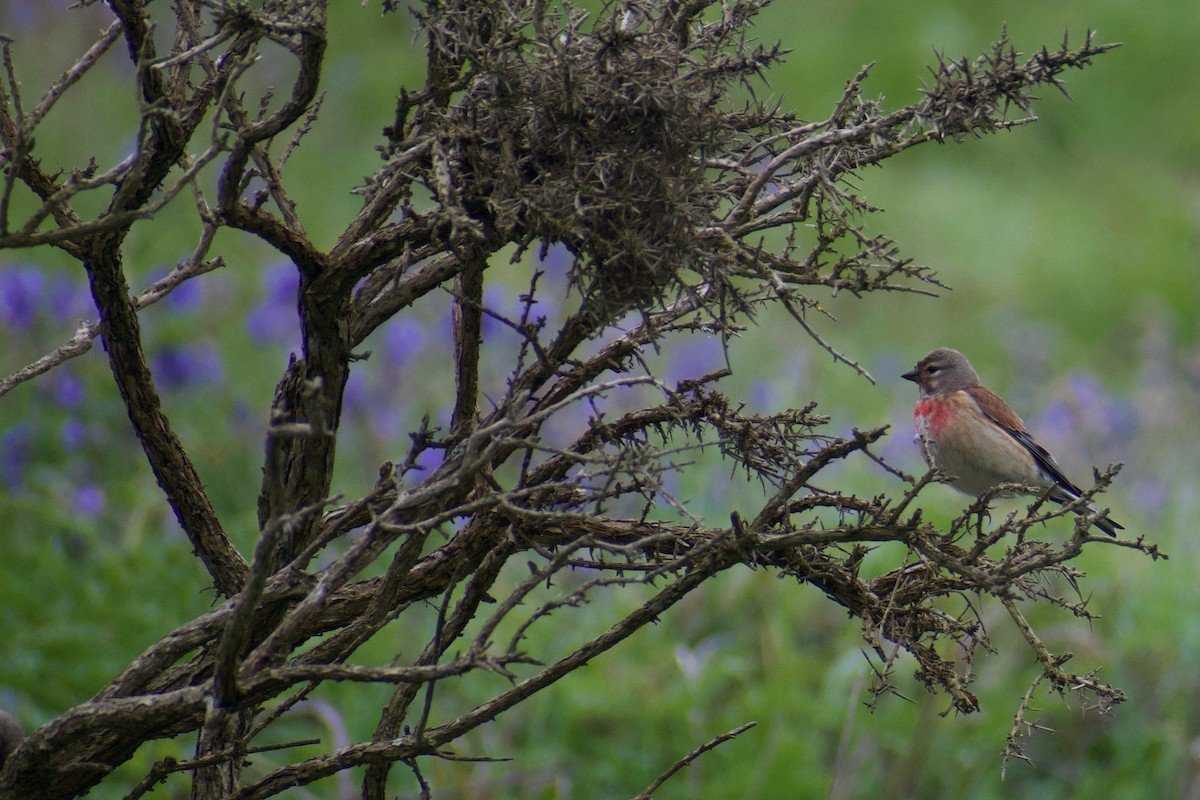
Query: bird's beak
point(911, 375)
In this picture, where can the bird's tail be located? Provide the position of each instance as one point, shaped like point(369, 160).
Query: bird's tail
point(1061, 495)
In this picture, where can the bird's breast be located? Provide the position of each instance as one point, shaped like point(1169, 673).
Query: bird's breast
point(931, 416)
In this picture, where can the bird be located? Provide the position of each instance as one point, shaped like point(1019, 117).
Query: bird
point(969, 433)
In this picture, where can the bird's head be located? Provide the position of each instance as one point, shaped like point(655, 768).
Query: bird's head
point(944, 370)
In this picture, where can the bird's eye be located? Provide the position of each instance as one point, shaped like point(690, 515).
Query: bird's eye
point(932, 369)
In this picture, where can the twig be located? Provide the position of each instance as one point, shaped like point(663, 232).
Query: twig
point(86, 334)
point(692, 756)
point(72, 75)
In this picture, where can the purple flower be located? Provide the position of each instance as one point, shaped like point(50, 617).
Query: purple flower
point(73, 433)
point(88, 500)
point(21, 292)
point(27, 16)
point(431, 458)
point(765, 394)
point(554, 285)
point(1056, 422)
point(374, 409)
point(182, 367)
point(497, 300)
point(692, 357)
point(357, 397)
point(402, 339)
point(171, 368)
point(71, 300)
point(267, 324)
point(186, 296)
point(899, 446)
point(558, 259)
point(445, 326)
point(1102, 412)
point(15, 447)
point(68, 390)
point(209, 369)
point(275, 318)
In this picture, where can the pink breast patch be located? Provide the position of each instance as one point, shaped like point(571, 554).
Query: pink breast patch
point(931, 416)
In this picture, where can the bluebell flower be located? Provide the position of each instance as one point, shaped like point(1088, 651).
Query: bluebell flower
point(275, 319)
point(498, 300)
point(445, 326)
point(558, 259)
point(73, 433)
point(1114, 418)
point(209, 369)
point(22, 290)
point(692, 357)
point(68, 390)
point(356, 396)
point(183, 367)
point(15, 448)
point(171, 368)
point(89, 500)
point(554, 286)
point(187, 296)
point(1056, 422)
point(765, 395)
point(402, 339)
point(71, 300)
point(431, 458)
point(899, 447)
point(26, 15)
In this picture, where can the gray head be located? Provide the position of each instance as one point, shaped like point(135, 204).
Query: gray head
point(943, 370)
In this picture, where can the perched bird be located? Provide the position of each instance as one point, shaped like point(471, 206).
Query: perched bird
point(972, 435)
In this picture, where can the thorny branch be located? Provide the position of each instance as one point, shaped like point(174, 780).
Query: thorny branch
point(614, 137)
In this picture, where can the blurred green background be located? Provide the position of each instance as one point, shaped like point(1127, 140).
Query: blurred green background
point(1070, 247)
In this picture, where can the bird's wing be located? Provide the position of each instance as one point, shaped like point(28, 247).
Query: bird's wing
point(991, 404)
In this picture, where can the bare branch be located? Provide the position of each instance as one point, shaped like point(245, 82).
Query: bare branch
point(692, 756)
